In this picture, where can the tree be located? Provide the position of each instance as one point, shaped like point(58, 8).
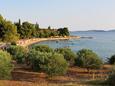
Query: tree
point(5, 65)
point(25, 30)
point(37, 26)
point(1, 27)
point(19, 28)
point(54, 33)
point(111, 60)
point(19, 53)
point(63, 32)
point(9, 32)
point(68, 54)
point(88, 59)
point(42, 48)
point(111, 80)
point(1, 18)
point(49, 28)
point(51, 63)
point(28, 30)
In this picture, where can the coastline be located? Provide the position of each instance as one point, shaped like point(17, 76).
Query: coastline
point(27, 42)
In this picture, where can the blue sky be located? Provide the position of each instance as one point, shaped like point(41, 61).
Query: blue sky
point(74, 14)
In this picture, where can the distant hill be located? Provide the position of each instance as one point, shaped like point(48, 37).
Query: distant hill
point(111, 31)
point(95, 31)
point(90, 31)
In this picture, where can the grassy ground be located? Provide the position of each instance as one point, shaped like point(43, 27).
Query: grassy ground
point(75, 77)
point(23, 83)
point(97, 83)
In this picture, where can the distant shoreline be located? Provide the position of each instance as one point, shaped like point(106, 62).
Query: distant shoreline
point(27, 42)
point(96, 31)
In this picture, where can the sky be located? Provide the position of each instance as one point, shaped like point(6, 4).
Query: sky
point(74, 14)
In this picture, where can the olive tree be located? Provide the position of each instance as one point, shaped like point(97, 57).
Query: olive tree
point(51, 63)
point(5, 65)
point(88, 59)
point(18, 52)
point(68, 54)
point(41, 48)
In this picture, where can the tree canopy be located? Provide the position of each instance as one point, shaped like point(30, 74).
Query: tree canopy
point(8, 31)
point(88, 59)
point(11, 32)
point(111, 60)
point(5, 65)
point(41, 48)
point(51, 63)
point(68, 54)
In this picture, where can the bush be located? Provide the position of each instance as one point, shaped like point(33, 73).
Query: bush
point(18, 53)
point(68, 54)
point(5, 65)
point(111, 79)
point(13, 43)
point(88, 59)
point(111, 60)
point(42, 48)
point(51, 63)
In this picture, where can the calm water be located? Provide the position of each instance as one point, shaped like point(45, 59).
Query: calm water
point(103, 43)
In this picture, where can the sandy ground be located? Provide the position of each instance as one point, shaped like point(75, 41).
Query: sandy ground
point(27, 42)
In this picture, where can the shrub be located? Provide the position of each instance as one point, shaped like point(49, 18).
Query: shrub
point(51, 63)
point(88, 59)
point(68, 54)
point(42, 48)
point(111, 60)
point(5, 65)
point(18, 53)
point(13, 43)
point(111, 79)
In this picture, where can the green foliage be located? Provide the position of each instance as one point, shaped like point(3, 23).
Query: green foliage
point(54, 33)
point(49, 28)
point(111, 79)
point(111, 60)
point(88, 59)
point(19, 28)
point(19, 53)
point(51, 63)
point(8, 31)
point(5, 65)
point(1, 19)
point(28, 30)
point(68, 54)
point(13, 43)
point(63, 31)
point(37, 26)
point(42, 48)
point(12, 32)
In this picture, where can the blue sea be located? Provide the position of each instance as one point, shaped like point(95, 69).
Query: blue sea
point(103, 43)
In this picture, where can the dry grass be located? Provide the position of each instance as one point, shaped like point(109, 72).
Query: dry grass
point(75, 77)
point(14, 83)
point(23, 83)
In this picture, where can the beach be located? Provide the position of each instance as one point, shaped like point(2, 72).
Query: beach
point(27, 42)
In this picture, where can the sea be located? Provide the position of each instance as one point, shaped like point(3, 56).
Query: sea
point(102, 43)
